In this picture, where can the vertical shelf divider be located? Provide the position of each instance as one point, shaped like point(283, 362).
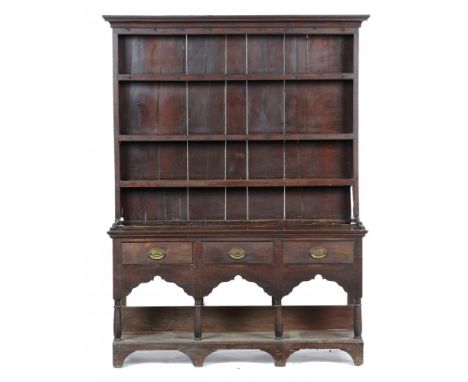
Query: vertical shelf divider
point(247, 124)
point(187, 123)
point(119, 213)
point(355, 130)
point(284, 126)
point(225, 126)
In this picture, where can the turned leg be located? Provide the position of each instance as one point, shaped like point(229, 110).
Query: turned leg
point(117, 319)
point(278, 317)
point(357, 318)
point(198, 318)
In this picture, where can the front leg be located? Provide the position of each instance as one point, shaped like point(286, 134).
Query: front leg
point(117, 319)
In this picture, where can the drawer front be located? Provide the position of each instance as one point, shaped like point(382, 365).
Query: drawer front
point(318, 251)
point(237, 252)
point(157, 252)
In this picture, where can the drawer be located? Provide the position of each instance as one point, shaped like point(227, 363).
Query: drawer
point(235, 252)
point(318, 251)
point(157, 252)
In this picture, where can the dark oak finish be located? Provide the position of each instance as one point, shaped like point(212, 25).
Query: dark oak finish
point(217, 252)
point(141, 104)
point(236, 153)
point(235, 137)
point(232, 319)
point(298, 252)
point(236, 77)
point(237, 183)
point(173, 252)
point(279, 349)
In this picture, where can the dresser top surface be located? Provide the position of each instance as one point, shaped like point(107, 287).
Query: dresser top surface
point(121, 20)
point(244, 228)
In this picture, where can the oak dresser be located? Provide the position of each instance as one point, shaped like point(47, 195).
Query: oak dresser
point(236, 153)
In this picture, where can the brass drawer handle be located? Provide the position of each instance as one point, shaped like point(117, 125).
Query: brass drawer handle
point(237, 253)
point(318, 252)
point(156, 254)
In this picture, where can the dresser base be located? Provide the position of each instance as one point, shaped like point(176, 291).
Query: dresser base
point(279, 349)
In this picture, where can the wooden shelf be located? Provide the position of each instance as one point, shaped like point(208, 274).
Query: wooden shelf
point(236, 183)
point(234, 137)
point(279, 349)
point(235, 228)
point(236, 77)
point(322, 336)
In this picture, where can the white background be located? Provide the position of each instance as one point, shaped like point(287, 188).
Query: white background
point(56, 160)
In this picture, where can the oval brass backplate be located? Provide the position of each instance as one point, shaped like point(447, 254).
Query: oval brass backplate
point(318, 252)
point(156, 253)
point(237, 253)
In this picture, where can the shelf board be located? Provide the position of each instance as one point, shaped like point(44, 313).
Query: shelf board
point(279, 349)
point(236, 77)
point(235, 228)
point(235, 137)
point(299, 336)
point(236, 183)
